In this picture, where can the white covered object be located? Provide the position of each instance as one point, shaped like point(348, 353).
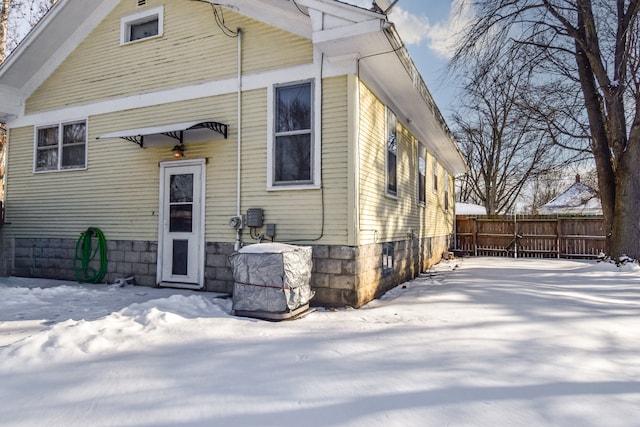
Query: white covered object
point(271, 277)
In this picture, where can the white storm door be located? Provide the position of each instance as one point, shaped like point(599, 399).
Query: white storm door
point(181, 228)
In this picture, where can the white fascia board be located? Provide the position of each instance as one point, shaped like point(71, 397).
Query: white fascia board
point(347, 32)
point(342, 10)
point(66, 48)
point(183, 93)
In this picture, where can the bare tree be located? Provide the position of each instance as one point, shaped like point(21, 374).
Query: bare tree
point(502, 142)
point(543, 188)
point(592, 48)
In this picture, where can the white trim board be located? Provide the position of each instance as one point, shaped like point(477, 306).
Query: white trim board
point(168, 96)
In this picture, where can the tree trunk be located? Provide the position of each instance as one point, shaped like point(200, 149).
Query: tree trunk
point(4, 21)
point(626, 222)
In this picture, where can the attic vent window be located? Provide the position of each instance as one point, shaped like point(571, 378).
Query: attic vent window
point(142, 25)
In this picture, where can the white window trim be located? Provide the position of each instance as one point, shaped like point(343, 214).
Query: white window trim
point(126, 21)
point(60, 126)
point(316, 137)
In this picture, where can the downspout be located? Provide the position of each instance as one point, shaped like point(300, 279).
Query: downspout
point(238, 243)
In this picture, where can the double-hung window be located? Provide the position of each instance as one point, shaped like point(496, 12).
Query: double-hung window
point(422, 174)
point(391, 141)
point(62, 146)
point(293, 135)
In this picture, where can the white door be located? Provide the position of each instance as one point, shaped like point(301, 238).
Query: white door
point(181, 227)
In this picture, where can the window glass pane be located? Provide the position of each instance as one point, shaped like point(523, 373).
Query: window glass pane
point(73, 156)
point(141, 30)
point(293, 108)
point(392, 132)
point(422, 173)
point(181, 188)
point(293, 158)
point(181, 218)
point(73, 133)
point(47, 136)
point(387, 258)
point(180, 257)
point(47, 159)
point(392, 184)
point(435, 174)
point(392, 152)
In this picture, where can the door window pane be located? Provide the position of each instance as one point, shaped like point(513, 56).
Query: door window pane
point(180, 257)
point(181, 218)
point(181, 188)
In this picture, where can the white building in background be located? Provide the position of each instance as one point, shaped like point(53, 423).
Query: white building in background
point(579, 199)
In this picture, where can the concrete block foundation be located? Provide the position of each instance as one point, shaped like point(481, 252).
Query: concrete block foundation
point(341, 275)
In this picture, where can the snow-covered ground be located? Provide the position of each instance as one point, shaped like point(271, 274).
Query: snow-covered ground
point(494, 342)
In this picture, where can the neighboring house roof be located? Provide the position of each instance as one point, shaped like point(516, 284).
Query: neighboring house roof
point(578, 199)
point(359, 40)
point(470, 209)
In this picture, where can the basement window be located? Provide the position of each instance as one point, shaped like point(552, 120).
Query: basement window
point(387, 258)
point(142, 25)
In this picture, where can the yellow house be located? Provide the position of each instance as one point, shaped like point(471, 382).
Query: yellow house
point(184, 130)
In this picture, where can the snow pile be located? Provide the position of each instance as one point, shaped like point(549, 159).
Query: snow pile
point(479, 341)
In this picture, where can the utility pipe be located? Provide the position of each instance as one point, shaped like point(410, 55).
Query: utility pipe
point(238, 243)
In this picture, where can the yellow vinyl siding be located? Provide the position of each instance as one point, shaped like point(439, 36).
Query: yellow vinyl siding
point(298, 213)
point(119, 190)
point(384, 218)
point(192, 49)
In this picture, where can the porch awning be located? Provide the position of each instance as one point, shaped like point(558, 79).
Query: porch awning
point(172, 133)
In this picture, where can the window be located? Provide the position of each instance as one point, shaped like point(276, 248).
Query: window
point(293, 136)
point(61, 147)
point(422, 174)
point(141, 25)
point(387, 258)
point(392, 153)
point(446, 190)
point(435, 175)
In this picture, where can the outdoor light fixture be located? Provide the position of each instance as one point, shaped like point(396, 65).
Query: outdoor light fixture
point(178, 151)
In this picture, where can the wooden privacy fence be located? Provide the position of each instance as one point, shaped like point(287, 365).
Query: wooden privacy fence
point(529, 236)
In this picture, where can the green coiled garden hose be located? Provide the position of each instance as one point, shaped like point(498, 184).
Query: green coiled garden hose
point(86, 255)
